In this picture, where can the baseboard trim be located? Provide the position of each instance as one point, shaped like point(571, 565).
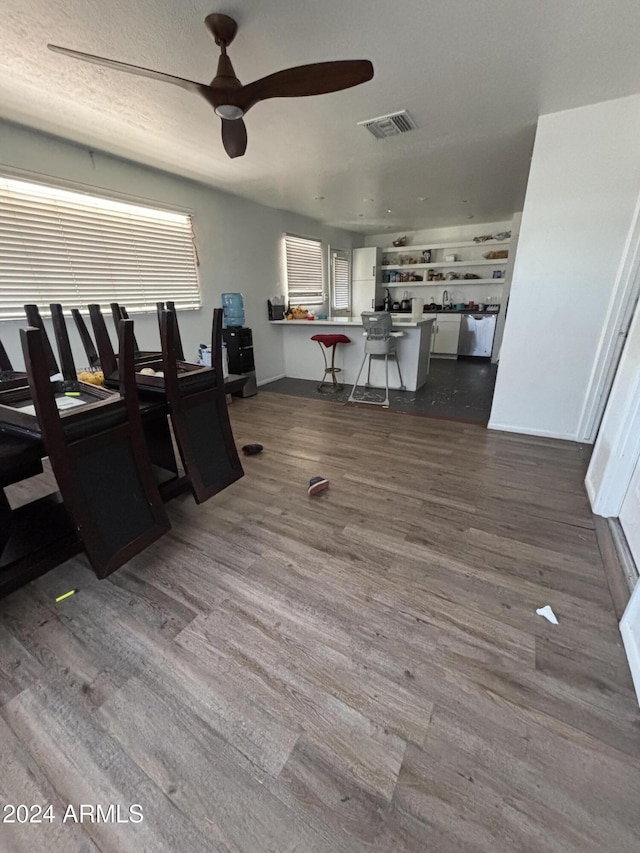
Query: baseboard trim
point(271, 379)
point(543, 433)
point(619, 568)
point(591, 492)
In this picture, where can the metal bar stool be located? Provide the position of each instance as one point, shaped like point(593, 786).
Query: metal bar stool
point(330, 342)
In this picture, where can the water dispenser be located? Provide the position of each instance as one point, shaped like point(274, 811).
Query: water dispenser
point(233, 310)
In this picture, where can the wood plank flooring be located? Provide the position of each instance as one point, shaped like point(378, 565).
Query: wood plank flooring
point(359, 671)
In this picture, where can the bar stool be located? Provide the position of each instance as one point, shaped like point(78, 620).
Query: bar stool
point(330, 342)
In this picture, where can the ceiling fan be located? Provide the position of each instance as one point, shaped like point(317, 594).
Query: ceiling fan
point(226, 94)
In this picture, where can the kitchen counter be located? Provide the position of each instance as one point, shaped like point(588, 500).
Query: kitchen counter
point(349, 321)
point(449, 311)
point(303, 360)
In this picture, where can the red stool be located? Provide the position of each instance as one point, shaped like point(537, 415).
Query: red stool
point(330, 341)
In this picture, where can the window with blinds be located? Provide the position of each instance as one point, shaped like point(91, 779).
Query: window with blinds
point(340, 280)
point(304, 270)
point(74, 248)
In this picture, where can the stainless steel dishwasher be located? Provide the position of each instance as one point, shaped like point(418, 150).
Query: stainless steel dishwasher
point(476, 334)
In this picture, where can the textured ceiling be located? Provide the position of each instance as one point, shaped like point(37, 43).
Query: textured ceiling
point(475, 75)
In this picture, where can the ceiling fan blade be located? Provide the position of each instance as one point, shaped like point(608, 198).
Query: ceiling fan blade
point(320, 78)
point(131, 69)
point(234, 137)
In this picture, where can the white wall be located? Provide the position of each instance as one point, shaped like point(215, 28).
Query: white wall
point(457, 290)
point(238, 241)
point(578, 211)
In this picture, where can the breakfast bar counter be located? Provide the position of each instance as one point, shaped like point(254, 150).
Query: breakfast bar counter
point(303, 360)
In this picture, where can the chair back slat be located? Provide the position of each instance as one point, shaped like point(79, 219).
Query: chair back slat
point(108, 360)
point(67, 365)
point(35, 320)
point(119, 312)
point(85, 337)
point(177, 340)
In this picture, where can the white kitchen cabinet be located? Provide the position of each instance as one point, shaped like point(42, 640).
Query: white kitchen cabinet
point(366, 290)
point(446, 334)
point(364, 263)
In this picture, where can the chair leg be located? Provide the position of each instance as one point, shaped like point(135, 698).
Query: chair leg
point(386, 380)
point(333, 367)
point(326, 367)
point(352, 398)
point(402, 388)
point(325, 387)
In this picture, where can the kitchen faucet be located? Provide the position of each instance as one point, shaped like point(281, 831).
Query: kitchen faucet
point(445, 297)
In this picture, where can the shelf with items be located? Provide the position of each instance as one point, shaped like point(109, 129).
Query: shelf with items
point(443, 282)
point(499, 262)
point(465, 244)
point(447, 255)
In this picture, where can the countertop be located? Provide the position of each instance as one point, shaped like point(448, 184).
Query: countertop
point(348, 321)
point(450, 311)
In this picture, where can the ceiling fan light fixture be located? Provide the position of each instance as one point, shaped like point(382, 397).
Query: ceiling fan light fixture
point(229, 111)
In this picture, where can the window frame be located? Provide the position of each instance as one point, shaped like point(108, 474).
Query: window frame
point(343, 254)
point(317, 297)
point(76, 245)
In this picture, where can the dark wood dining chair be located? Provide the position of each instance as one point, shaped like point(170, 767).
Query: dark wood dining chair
point(100, 459)
point(17, 414)
point(199, 413)
point(107, 355)
point(154, 413)
point(119, 312)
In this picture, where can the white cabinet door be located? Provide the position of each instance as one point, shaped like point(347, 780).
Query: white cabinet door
point(363, 295)
point(447, 333)
point(630, 514)
point(364, 263)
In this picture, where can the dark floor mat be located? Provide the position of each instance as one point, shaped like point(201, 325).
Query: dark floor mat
point(458, 390)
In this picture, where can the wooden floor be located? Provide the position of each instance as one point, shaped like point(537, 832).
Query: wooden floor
point(359, 671)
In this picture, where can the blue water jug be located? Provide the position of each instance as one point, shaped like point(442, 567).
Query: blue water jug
point(233, 309)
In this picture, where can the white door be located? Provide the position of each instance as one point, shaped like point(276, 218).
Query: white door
point(630, 514)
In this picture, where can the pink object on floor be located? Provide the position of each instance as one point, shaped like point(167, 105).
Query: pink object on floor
point(317, 485)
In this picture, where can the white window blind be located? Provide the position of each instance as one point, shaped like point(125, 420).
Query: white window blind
point(304, 268)
point(340, 280)
point(74, 248)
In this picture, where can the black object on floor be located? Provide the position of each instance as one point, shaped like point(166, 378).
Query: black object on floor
point(252, 449)
point(455, 389)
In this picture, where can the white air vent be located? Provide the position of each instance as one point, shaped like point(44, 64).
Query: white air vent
point(391, 125)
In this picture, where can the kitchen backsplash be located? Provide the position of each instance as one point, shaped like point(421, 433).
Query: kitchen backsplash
point(457, 291)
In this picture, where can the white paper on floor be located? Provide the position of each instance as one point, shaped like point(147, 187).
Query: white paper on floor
point(548, 613)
